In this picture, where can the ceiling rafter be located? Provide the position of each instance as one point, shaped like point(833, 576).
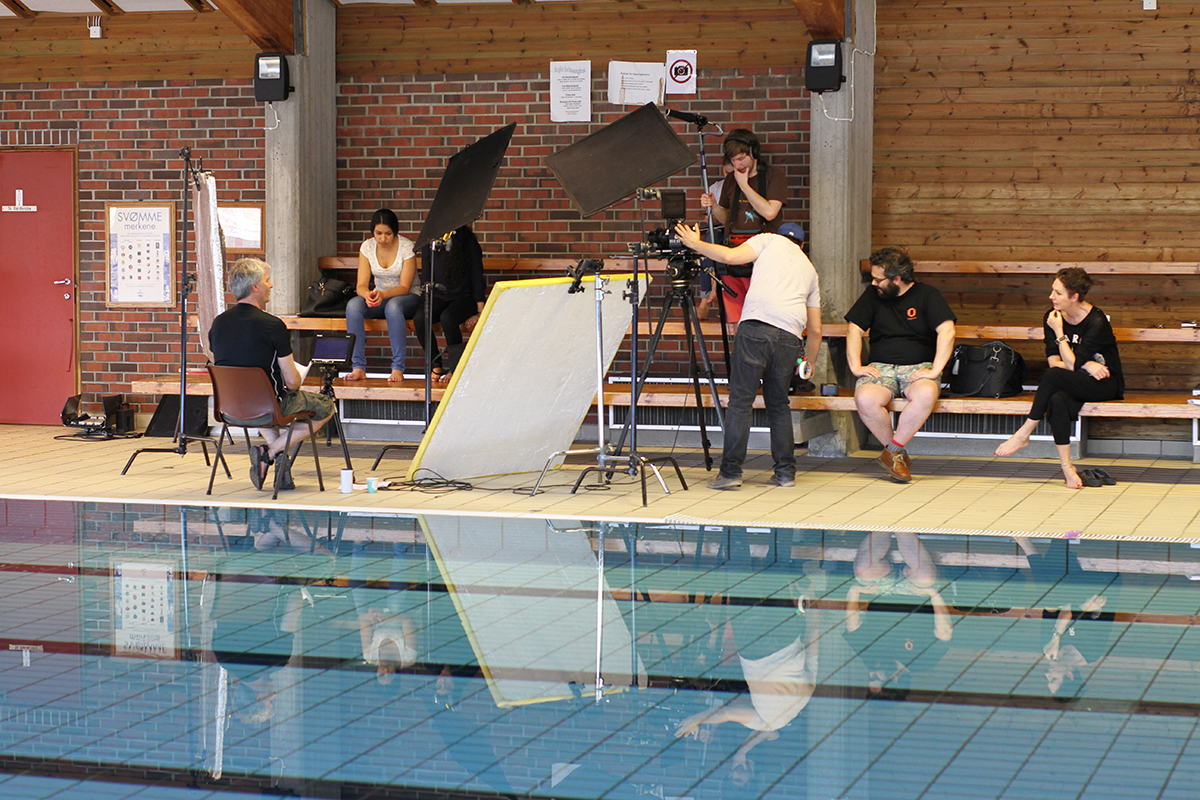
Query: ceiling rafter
point(268, 23)
point(108, 7)
point(199, 5)
point(825, 19)
point(18, 8)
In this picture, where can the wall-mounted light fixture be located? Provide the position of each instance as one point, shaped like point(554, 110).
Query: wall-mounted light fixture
point(270, 77)
point(823, 67)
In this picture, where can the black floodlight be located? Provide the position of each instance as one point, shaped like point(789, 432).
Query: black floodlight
point(465, 185)
point(823, 67)
point(635, 152)
point(270, 77)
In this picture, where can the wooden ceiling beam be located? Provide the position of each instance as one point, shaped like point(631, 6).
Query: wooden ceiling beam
point(108, 7)
point(18, 8)
point(825, 19)
point(268, 23)
point(199, 5)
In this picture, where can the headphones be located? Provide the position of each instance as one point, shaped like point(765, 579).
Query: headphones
point(749, 141)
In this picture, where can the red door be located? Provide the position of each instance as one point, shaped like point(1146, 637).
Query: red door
point(38, 233)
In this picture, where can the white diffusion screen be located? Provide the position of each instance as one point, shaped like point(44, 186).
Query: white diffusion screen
point(526, 380)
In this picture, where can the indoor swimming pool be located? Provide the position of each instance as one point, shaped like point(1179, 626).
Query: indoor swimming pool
point(185, 652)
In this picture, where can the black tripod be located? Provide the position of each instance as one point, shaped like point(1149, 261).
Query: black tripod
point(680, 271)
point(185, 288)
point(329, 371)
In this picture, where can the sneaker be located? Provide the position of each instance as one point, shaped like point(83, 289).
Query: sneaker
point(722, 482)
point(283, 466)
point(897, 465)
point(781, 480)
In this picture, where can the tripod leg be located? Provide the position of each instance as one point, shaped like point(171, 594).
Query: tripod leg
point(641, 379)
point(708, 372)
point(691, 324)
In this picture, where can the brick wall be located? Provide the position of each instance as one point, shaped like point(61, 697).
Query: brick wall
point(129, 135)
point(395, 134)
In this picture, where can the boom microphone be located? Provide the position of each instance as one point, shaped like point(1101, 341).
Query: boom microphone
point(695, 119)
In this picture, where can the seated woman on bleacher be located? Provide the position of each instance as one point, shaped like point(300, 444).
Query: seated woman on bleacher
point(389, 258)
point(1084, 368)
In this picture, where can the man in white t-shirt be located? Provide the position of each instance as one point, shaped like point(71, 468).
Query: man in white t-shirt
point(782, 304)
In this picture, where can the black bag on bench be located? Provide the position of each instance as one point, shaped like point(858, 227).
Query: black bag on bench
point(987, 370)
point(327, 297)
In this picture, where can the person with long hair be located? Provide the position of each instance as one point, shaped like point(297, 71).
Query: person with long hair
point(1084, 368)
point(459, 292)
point(389, 259)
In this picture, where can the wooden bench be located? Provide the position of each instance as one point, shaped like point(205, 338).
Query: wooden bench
point(1145, 301)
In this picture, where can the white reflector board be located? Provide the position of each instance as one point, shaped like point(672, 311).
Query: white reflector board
point(526, 379)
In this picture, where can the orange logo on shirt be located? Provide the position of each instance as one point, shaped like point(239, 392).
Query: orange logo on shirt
point(912, 313)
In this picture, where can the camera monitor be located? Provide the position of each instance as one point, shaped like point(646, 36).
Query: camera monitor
point(333, 348)
point(635, 152)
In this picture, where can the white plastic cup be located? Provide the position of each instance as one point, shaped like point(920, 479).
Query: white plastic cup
point(347, 481)
point(372, 485)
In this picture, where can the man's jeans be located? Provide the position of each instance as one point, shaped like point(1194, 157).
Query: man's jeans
point(766, 354)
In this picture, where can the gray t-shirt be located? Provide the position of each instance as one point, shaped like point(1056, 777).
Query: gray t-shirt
point(783, 285)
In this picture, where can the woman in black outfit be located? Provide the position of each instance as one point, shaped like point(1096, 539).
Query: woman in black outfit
point(1084, 367)
point(458, 267)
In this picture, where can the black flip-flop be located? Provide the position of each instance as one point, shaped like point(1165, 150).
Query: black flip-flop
point(1090, 478)
point(1105, 478)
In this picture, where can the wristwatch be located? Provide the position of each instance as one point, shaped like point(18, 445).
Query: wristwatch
point(1061, 339)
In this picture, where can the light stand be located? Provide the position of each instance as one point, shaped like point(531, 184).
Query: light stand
point(604, 457)
point(426, 289)
point(185, 288)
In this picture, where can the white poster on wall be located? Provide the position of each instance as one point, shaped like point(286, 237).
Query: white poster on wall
point(635, 84)
point(570, 91)
point(681, 72)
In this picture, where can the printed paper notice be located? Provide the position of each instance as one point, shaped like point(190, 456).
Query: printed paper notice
point(635, 84)
point(570, 91)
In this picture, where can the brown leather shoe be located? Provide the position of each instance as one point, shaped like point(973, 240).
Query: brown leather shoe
point(897, 465)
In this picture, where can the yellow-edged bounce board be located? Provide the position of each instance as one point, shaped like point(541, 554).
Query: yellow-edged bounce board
point(526, 593)
point(526, 379)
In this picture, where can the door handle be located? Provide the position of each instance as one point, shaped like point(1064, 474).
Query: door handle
point(66, 282)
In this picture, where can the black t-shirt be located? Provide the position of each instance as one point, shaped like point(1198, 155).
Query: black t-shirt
point(247, 336)
point(903, 329)
point(1091, 340)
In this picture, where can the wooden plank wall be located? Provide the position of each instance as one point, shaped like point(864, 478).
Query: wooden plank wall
point(513, 38)
point(1050, 131)
point(1038, 129)
point(160, 46)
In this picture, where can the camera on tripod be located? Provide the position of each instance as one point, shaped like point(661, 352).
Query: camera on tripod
point(663, 242)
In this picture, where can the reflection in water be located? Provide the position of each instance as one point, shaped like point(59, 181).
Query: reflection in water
point(324, 655)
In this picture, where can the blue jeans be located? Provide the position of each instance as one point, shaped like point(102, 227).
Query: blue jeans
point(396, 310)
point(762, 354)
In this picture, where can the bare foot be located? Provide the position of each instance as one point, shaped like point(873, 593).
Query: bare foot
point(1072, 477)
point(1012, 444)
point(357, 375)
point(397, 376)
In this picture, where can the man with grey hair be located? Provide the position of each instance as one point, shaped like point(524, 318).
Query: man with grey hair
point(245, 335)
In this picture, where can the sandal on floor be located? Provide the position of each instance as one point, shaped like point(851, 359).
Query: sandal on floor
point(258, 456)
point(1105, 478)
point(1090, 478)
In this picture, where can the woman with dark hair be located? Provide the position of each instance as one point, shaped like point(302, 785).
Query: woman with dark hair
point(458, 296)
point(1084, 368)
point(389, 259)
